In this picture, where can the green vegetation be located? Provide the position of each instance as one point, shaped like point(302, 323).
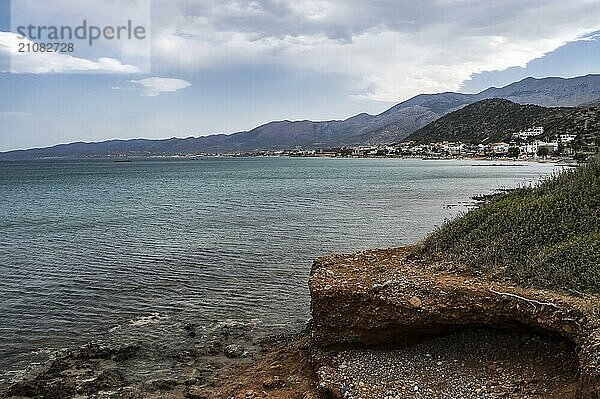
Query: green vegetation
point(543, 152)
point(546, 236)
point(496, 119)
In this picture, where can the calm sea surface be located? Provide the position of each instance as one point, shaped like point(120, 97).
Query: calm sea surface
point(96, 249)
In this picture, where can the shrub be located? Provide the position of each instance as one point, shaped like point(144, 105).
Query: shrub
point(546, 236)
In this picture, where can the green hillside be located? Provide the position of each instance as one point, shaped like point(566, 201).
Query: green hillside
point(496, 119)
point(547, 236)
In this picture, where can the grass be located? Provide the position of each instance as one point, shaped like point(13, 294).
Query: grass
point(547, 236)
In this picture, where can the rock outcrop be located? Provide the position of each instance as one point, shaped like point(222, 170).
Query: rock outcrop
point(388, 297)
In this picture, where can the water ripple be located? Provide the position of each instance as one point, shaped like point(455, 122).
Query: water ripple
point(95, 249)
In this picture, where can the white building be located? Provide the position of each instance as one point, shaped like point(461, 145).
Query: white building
point(532, 148)
point(456, 148)
point(532, 132)
point(567, 138)
point(499, 148)
point(364, 150)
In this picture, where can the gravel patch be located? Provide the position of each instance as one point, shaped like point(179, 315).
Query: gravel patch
point(466, 364)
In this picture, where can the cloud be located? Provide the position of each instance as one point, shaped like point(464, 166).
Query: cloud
point(387, 49)
point(49, 62)
point(155, 85)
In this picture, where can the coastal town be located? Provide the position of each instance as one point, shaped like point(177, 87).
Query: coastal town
point(528, 144)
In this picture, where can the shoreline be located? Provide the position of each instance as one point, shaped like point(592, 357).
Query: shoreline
point(132, 158)
point(373, 305)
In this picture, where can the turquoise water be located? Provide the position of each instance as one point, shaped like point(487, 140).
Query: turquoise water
point(91, 249)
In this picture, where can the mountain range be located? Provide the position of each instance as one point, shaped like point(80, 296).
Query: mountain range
point(393, 125)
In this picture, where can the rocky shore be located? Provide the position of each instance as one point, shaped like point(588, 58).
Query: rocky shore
point(385, 325)
point(143, 369)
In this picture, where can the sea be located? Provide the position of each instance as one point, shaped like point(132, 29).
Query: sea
point(104, 250)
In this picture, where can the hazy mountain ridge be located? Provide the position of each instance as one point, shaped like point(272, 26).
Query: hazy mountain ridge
point(394, 124)
point(549, 92)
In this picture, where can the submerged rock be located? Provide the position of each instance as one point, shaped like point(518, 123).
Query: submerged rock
point(191, 329)
point(94, 350)
point(86, 370)
point(235, 351)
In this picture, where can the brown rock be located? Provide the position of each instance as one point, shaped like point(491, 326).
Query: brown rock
point(416, 301)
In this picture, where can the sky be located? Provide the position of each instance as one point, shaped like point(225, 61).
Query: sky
point(221, 66)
